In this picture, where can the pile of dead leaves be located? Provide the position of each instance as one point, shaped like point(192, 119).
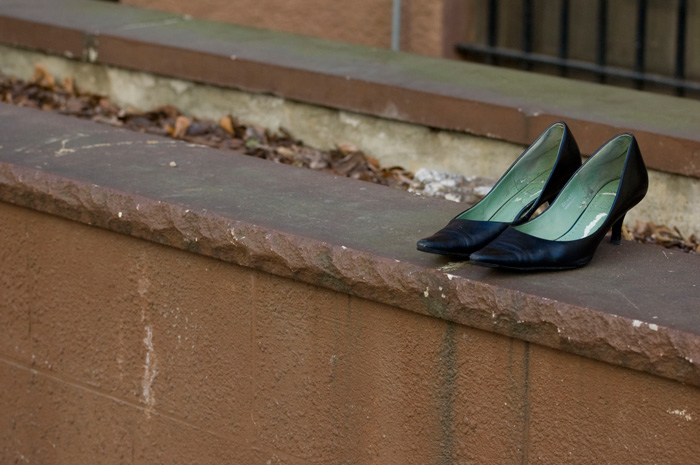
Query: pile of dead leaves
point(650, 233)
point(43, 92)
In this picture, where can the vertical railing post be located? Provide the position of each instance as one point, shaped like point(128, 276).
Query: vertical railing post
point(564, 35)
point(679, 72)
point(527, 31)
point(639, 43)
point(492, 29)
point(601, 56)
point(525, 54)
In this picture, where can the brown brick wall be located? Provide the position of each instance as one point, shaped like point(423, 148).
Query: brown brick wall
point(362, 22)
point(115, 350)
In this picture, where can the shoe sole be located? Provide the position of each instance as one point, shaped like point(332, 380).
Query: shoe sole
point(442, 252)
point(522, 269)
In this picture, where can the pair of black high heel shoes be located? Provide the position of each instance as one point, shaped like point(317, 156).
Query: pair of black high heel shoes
point(586, 201)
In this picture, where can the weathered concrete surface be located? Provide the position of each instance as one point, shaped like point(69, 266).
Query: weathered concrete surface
point(388, 104)
point(634, 306)
point(670, 200)
point(393, 142)
point(481, 100)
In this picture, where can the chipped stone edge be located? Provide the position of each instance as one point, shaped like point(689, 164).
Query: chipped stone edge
point(620, 341)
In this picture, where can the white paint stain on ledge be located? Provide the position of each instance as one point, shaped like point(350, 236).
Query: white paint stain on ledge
point(66, 150)
point(452, 266)
point(651, 326)
point(681, 413)
point(150, 372)
point(63, 150)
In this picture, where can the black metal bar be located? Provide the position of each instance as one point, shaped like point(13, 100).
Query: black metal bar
point(492, 31)
point(602, 45)
point(527, 30)
point(679, 72)
point(492, 53)
point(516, 55)
point(564, 34)
point(639, 42)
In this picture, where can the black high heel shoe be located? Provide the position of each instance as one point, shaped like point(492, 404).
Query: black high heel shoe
point(534, 178)
point(566, 235)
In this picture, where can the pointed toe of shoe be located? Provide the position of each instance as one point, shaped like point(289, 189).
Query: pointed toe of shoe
point(441, 244)
point(426, 245)
point(511, 250)
point(493, 258)
point(461, 237)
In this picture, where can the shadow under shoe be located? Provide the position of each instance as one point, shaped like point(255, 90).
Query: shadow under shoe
point(533, 179)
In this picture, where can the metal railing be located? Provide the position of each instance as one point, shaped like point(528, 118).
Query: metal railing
point(492, 53)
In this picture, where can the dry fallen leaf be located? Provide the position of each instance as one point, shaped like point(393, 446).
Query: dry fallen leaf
point(626, 233)
point(346, 148)
point(226, 124)
point(181, 125)
point(373, 162)
point(167, 111)
point(285, 151)
point(42, 76)
point(68, 85)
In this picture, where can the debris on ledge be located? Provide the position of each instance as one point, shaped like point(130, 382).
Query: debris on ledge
point(45, 93)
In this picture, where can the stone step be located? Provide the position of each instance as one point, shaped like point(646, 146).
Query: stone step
point(634, 306)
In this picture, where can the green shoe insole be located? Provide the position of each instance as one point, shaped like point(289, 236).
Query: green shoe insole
point(522, 184)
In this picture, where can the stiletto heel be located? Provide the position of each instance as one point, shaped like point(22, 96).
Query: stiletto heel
point(534, 178)
point(566, 235)
point(616, 236)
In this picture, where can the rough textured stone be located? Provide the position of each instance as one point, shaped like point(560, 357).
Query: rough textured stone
point(386, 383)
point(505, 104)
point(327, 377)
point(633, 306)
point(569, 394)
point(17, 283)
point(669, 201)
point(49, 420)
point(54, 420)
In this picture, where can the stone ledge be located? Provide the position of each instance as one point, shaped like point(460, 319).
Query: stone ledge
point(634, 306)
point(506, 104)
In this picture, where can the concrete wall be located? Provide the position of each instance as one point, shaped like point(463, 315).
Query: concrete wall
point(116, 350)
